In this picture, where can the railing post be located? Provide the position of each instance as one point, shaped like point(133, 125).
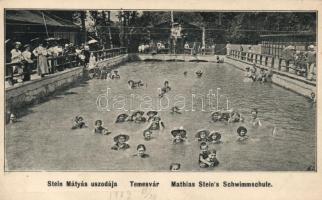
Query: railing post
point(273, 61)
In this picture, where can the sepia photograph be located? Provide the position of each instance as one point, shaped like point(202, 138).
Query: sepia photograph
point(143, 90)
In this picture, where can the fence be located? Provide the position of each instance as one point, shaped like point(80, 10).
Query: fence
point(109, 53)
point(189, 51)
point(273, 62)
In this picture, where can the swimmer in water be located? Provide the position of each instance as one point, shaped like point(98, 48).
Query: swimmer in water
point(254, 119)
point(216, 116)
point(199, 73)
point(261, 76)
point(147, 134)
point(79, 123)
point(176, 110)
point(122, 118)
point(120, 142)
point(202, 135)
point(138, 117)
point(156, 124)
point(179, 136)
point(203, 155)
point(211, 160)
point(141, 149)
point(13, 118)
point(115, 75)
point(215, 138)
point(175, 167)
point(100, 129)
point(135, 84)
point(312, 98)
point(151, 114)
point(235, 116)
point(166, 88)
point(242, 131)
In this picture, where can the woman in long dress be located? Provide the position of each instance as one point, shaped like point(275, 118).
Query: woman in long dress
point(42, 62)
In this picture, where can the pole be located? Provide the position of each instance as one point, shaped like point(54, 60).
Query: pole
point(43, 17)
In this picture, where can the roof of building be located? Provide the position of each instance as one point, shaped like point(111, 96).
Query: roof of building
point(290, 34)
point(24, 17)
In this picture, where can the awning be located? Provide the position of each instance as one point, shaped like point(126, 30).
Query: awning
point(35, 17)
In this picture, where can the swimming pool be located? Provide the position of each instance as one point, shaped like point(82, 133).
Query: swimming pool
point(43, 140)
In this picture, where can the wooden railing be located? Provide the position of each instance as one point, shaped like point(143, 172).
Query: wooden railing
point(109, 53)
point(273, 62)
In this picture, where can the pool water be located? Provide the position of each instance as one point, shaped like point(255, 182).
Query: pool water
point(43, 139)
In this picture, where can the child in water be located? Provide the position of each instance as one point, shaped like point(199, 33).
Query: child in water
point(312, 97)
point(151, 114)
point(79, 123)
point(156, 124)
point(199, 73)
point(13, 118)
point(120, 142)
point(211, 160)
point(202, 135)
point(141, 149)
point(175, 109)
point(216, 116)
point(100, 129)
point(261, 76)
point(175, 167)
point(166, 88)
point(255, 122)
point(138, 117)
point(234, 117)
point(242, 131)
point(203, 155)
point(179, 135)
point(214, 138)
point(115, 75)
point(122, 118)
point(147, 134)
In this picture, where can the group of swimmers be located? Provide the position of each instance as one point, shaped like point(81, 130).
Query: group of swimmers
point(262, 76)
point(207, 157)
point(103, 73)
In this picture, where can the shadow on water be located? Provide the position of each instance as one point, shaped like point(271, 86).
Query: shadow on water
point(197, 60)
point(56, 95)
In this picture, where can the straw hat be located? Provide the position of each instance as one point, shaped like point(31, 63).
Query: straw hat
point(216, 134)
point(116, 138)
point(206, 132)
point(180, 131)
point(152, 113)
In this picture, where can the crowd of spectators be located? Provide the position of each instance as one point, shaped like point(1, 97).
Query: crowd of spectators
point(45, 56)
point(303, 62)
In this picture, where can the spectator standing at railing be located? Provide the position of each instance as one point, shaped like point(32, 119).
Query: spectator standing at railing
point(27, 62)
point(228, 48)
point(86, 54)
point(57, 50)
point(16, 57)
point(311, 62)
point(50, 56)
point(42, 63)
point(92, 61)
